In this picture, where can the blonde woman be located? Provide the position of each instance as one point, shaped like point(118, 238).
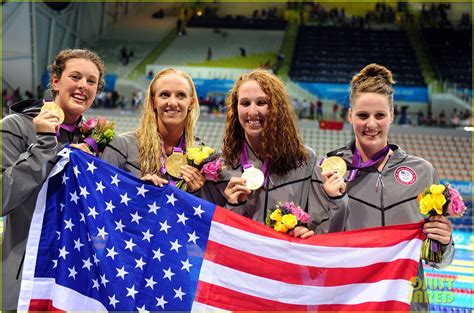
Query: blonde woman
point(170, 112)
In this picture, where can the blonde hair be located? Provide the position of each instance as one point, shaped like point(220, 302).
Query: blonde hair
point(149, 139)
point(373, 78)
point(280, 126)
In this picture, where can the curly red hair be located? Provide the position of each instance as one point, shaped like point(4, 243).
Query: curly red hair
point(279, 128)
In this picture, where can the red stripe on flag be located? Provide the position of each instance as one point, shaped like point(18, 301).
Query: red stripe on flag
point(371, 237)
point(42, 305)
point(227, 299)
point(307, 275)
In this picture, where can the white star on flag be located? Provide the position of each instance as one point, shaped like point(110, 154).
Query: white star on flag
point(141, 191)
point(186, 265)
point(91, 167)
point(161, 302)
point(150, 282)
point(164, 226)
point(175, 245)
point(179, 293)
point(153, 208)
point(115, 180)
point(84, 192)
point(131, 292)
point(129, 244)
point(171, 199)
point(76, 171)
point(72, 272)
point(87, 264)
point(135, 218)
point(168, 273)
point(69, 224)
point(125, 199)
point(121, 272)
point(198, 211)
point(157, 254)
point(120, 226)
point(74, 197)
point(140, 263)
point(111, 253)
point(65, 178)
point(92, 212)
point(147, 235)
point(182, 218)
point(100, 187)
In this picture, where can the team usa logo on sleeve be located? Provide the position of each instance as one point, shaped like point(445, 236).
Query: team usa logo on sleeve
point(405, 175)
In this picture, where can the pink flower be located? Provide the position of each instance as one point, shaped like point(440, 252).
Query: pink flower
point(88, 125)
point(456, 206)
point(301, 215)
point(211, 170)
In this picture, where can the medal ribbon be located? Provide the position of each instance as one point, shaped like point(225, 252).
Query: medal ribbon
point(357, 163)
point(244, 160)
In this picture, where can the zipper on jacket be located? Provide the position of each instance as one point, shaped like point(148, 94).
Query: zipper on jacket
point(266, 201)
point(382, 206)
point(21, 266)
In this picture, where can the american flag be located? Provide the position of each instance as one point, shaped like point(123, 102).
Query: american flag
point(103, 240)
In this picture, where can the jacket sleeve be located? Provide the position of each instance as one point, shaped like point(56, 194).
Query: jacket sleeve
point(113, 153)
point(24, 164)
point(328, 214)
point(447, 250)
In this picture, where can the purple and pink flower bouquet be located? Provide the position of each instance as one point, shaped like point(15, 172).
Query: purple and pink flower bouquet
point(438, 200)
point(205, 159)
point(283, 217)
point(97, 133)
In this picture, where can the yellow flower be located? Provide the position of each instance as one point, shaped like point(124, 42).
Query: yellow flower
point(279, 227)
point(426, 204)
point(289, 220)
point(199, 157)
point(276, 215)
point(433, 201)
point(191, 153)
point(437, 189)
point(207, 150)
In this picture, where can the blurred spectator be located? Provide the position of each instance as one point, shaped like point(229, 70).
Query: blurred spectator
point(312, 110)
point(17, 95)
point(158, 14)
point(420, 118)
point(455, 118)
point(343, 115)
point(442, 119)
point(125, 55)
point(319, 110)
point(403, 120)
point(335, 109)
point(39, 91)
point(150, 74)
point(243, 52)
point(209, 53)
point(29, 95)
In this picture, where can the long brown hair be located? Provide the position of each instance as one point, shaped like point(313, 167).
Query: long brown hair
point(149, 139)
point(279, 128)
point(373, 78)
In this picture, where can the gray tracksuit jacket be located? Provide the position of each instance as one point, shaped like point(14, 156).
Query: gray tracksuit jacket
point(27, 158)
point(389, 197)
point(122, 152)
point(303, 186)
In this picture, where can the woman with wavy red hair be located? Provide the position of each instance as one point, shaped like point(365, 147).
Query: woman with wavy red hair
point(261, 133)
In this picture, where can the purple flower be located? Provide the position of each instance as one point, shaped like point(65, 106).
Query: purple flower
point(456, 206)
point(211, 169)
point(88, 125)
point(301, 215)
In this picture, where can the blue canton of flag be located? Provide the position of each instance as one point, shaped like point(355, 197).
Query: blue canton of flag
point(110, 241)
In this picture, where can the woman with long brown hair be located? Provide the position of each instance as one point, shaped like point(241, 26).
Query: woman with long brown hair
point(261, 133)
point(167, 125)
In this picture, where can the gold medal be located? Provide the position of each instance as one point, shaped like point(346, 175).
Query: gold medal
point(53, 107)
point(335, 164)
point(174, 162)
point(254, 177)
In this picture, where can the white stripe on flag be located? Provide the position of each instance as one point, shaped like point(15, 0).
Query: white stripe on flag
point(201, 308)
point(27, 284)
point(222, 276)
point(63, 297)
point(308, 255)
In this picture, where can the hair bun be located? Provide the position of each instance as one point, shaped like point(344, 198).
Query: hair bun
point(375, 70)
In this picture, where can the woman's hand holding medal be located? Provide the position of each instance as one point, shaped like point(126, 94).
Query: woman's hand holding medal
point(333, 168)
point(237, 191)
point(49, 118)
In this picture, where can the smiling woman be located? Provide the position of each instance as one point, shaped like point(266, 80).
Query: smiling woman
point(262, 145)
point(167, 124)
point(31, 138)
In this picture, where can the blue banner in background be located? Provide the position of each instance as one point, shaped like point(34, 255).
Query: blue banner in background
point(340, 92)
point(213, 86)
point(464, 187)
